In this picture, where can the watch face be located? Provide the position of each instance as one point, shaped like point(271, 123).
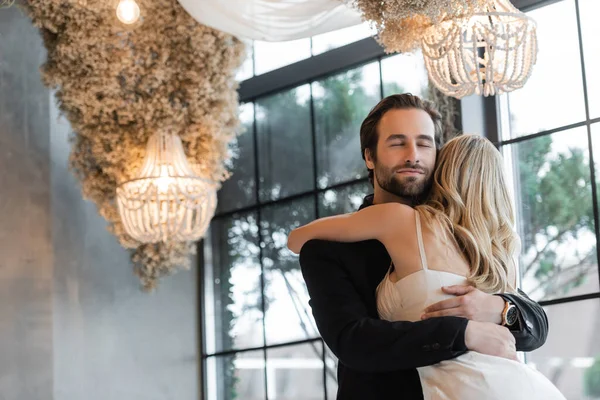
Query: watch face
point(511, 315)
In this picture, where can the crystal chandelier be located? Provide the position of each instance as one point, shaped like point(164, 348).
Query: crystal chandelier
point(491, 51)
point(167, 201)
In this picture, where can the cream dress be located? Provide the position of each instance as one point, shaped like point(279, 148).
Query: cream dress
point(471, 376)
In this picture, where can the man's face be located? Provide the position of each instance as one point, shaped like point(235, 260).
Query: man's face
point(406, 153)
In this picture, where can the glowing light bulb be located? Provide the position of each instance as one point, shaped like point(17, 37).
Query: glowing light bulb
point(164, 180)
point(128, 11)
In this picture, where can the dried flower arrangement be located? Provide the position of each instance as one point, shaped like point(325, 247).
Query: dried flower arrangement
point(400, 23)
point(118, 85)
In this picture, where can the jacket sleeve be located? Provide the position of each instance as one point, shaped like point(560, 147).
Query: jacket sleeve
point(532, 328)
point(364, 343)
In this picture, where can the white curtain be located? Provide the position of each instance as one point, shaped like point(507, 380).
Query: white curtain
point(273, 20)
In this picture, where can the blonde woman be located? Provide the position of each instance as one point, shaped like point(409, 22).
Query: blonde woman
point(464, 234)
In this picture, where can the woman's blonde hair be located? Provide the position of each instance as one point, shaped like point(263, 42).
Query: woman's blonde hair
point(471, 201)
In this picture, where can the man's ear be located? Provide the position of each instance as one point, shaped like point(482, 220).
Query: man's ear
point(369, 160)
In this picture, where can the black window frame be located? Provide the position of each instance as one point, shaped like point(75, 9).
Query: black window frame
point(338, 61)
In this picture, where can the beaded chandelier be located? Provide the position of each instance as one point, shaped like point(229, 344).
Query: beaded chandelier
point(167, 201)
point(489, 52)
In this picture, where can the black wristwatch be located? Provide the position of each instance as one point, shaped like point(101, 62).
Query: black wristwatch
point(510, 314)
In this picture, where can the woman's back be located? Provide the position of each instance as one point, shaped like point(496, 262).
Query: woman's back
point(411, 285)
point(441, 254)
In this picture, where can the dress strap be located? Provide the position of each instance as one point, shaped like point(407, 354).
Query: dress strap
point(390, 268)
point(420, 241)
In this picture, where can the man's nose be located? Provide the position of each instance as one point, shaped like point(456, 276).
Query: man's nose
point(412, 154)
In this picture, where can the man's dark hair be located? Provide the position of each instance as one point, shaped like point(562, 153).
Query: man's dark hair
point(368, 130)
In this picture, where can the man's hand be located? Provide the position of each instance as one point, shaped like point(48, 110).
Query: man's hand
point(470, 303)
point(490, 339)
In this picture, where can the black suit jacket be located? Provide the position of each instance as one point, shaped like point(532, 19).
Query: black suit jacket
point(377, 358)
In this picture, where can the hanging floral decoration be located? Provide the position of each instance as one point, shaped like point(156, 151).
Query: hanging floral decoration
point(119, 84)
point(400, 24)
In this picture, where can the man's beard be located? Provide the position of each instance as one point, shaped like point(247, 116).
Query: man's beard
point(412, 188)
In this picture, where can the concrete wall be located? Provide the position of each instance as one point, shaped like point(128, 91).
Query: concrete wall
point(73, 322)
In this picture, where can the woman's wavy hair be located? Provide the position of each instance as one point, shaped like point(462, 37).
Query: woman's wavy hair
point(471, 201)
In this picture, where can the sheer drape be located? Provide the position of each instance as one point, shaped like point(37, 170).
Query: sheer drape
point(273, 20)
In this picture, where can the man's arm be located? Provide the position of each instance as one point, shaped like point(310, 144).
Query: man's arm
point(532, 328)
point(364, 343)
point(529, 332)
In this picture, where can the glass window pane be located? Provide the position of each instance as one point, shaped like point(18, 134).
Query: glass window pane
point(331, 40)
point(239, 190)
point(343, 200)
point(595, 129)
point(272, 55)
point(554, 194)
point(232, 306)
point(341, 104)
point(296, 372)
point(285, 156)
point(246, 71)
point(557, 75)
point(237, 376)
point(288, 316)
point(590, 30)
point(331, 362)
point(404, 73)
point(570, 358)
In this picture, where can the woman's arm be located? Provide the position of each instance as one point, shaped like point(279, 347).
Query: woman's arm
point(374, 222)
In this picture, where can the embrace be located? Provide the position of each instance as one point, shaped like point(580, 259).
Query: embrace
point(416, 293)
